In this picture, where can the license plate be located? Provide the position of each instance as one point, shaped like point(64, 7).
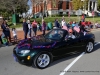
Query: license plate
point(15, 58)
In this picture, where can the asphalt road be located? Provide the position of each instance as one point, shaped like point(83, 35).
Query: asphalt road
point(80, 64)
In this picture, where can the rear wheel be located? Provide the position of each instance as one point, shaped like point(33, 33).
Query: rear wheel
point(42, 60)
point(89, 47)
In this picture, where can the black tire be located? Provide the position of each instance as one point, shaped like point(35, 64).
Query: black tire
point(42, 60)
point(89, 47)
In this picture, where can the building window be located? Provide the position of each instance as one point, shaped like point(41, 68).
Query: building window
point(60, 4)
point(67, 4)
point(90, 5)
point(93, 5)
point(60, 13)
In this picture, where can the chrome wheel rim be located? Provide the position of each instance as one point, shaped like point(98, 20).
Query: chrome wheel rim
point(89, 46)
point(43, 60)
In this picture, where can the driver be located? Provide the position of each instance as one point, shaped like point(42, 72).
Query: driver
point(70, 34)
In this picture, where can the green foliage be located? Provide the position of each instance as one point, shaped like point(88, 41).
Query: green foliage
point(98, 2)
point(13, 6)
point(77, 4)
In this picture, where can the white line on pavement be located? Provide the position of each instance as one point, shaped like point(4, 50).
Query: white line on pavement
point(96, 43)
point(70, 65)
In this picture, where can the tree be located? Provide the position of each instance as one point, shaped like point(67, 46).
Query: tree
point(98, 2)
point(79, 4)
point(13, 6)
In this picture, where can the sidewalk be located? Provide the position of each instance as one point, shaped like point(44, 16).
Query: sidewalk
point(20, 33)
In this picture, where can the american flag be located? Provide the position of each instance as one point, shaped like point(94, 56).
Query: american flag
point(65, 27)
point(76, 28)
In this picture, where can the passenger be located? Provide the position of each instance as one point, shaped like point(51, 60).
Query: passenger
point(70, 34)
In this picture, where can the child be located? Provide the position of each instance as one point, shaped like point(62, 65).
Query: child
point(4, 39)
point(14, 34)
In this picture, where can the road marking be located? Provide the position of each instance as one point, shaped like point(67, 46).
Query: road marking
point(96, 43)
point(70, 65)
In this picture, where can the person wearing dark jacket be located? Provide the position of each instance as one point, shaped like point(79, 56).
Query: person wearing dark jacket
point(0, 40)
point(6, 30)
point(43, 27)
point(57, 25)
point(25, 28)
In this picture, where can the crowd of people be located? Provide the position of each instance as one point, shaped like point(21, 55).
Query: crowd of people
point(30, 28)
point(35, 26)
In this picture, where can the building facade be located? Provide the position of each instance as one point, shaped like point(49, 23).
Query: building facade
point(92, 5)
point(61, 7)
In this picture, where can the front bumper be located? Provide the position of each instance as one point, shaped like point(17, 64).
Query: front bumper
point(22, 59)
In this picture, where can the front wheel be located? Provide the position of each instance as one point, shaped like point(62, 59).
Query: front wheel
point(89, 47)
point(42, 60)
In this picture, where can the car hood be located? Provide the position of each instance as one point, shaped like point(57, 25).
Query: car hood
point(36, 42)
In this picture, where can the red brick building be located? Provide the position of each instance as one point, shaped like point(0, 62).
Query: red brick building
point(63, 7)
point(54, 7)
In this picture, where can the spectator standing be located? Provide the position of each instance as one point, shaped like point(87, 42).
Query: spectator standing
point(39, 26)
point(30, 28)
point(14, 32)
point(25, 28)
point(6, 31)
point(83, 17)
point(63, 22)
point(43, 27)
point(34, 25)
point(57, 25)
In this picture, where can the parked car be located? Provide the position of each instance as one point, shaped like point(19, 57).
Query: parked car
point(41, 50)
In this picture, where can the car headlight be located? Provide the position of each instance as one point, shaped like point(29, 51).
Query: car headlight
point(24, 51)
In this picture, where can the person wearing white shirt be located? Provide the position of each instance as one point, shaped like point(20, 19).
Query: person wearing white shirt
point(14, 32)
point(70, 35)
point(63, 22)
point(30, 28)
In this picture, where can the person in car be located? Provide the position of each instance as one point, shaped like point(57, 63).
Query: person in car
point(70, 34)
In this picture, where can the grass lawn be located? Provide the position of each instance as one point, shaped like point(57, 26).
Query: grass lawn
point(52, 19)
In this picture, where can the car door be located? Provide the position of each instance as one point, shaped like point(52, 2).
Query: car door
point(60, 49)
point(76, 44)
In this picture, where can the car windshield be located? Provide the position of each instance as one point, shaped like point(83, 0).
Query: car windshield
point(56, 34)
